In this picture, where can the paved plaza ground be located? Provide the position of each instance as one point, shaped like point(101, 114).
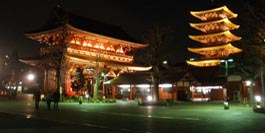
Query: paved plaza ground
point(19, 116)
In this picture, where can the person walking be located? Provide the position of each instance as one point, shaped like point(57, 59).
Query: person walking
point(80, 99)
point(37, 98)
point(48, 98)
point(56, 98)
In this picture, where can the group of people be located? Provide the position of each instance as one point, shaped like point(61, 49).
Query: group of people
point(49, 97)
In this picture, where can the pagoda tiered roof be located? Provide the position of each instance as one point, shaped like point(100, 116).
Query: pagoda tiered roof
point(215, 38)
point(205, 63)
point(214, 14)
point(215, 26)
point(218, 51)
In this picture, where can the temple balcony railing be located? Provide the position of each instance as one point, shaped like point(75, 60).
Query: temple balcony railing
point(50, 49)
point(100, 51)
point(88, 51)
point(102, 55)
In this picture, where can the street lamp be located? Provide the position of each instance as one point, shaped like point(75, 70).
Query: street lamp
point(31, 78)
point(261, 71)
point(250, 90)
point(104, 74)
point(226, 65)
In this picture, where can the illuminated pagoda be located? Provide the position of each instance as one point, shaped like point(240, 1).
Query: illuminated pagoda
point(99, 48)
point(216, 37)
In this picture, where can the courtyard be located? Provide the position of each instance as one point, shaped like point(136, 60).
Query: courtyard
point(126, 116)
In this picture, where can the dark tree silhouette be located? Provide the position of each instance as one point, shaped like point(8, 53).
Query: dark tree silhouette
point(156, 38)
point(78, 80)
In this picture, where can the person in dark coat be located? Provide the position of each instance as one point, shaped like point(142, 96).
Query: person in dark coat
point(37, 98)
point(48, 99)
point(56, 98)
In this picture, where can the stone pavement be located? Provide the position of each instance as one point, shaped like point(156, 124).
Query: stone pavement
point(19, 116)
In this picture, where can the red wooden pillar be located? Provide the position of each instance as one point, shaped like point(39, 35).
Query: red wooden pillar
point(113, 92)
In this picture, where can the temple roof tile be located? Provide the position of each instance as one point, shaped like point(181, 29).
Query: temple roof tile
point(215, 26)
point(214, 14)
point(61, 18)
point(215, 38)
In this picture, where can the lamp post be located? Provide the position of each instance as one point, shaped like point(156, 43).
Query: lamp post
point(226, 74)
point(261, 71)
point(103, 83)
point(227, 65)
point(249, 84)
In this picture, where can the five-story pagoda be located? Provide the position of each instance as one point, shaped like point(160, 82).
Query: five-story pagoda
point(216, 37)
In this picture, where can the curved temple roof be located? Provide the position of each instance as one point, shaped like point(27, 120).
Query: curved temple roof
point(204, 63)
point(216, 51)
point(214, 26)
point(216, 38)
point(60, 18)
point(214, 14)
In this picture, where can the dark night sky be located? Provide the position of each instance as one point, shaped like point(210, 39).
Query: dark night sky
point(134, 16)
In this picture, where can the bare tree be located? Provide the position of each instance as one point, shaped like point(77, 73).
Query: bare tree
point(156, 39)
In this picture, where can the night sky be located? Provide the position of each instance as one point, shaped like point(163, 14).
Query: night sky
point(134, 16)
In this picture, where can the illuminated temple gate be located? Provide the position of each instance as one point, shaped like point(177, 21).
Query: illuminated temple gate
point(71, 41)
point(216, 39)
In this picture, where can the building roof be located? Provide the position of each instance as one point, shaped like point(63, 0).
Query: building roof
point(213, 26)
point(218, 51)
point(214, 14)
point(145, 78)
point(215, 38)
point(131, 78)
point(60, 17)
point(205, 63)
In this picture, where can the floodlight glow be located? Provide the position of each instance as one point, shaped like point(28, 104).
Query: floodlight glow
point(258, 98)
point(87, 96)
point(28, 116)
point(148, 90)
point(165, 85)
point(89, 69)
point(106, 82)
point(248, 83)
point(149, 98)
point(230, 60)
point(124, 86)
point(143, 86)
point(31, 77)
